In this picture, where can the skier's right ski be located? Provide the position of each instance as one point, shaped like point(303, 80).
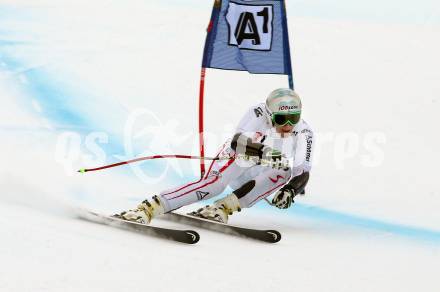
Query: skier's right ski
point(271, 236)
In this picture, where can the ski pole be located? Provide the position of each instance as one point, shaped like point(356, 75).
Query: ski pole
point(269, 202)
point(259, 161)
point(83, 170)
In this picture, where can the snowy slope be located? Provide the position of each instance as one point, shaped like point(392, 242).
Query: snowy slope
point(75, 75)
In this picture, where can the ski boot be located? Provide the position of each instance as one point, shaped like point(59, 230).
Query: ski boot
point(144, 212)
point(220, 210)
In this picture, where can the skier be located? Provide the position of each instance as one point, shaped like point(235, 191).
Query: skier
point(272, 131)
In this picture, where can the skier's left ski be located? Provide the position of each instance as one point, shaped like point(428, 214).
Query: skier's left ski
point(185, 236)
point(271, 236)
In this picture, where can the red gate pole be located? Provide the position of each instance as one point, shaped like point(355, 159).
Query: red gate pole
point(201, 138)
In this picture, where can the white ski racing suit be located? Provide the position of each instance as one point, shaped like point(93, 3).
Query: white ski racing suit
point(236, 173)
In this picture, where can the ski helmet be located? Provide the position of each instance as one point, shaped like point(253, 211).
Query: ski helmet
point(284, 106)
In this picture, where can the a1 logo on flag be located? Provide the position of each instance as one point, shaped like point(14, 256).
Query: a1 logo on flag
point(250, 26)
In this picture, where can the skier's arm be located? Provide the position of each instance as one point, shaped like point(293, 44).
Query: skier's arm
point(302, 165)
point(250, 148)
point(298, 183)
point(304, 151)
point(243, 144)
point(248, 127)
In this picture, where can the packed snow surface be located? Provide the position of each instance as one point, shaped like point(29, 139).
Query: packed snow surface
point(85, 83)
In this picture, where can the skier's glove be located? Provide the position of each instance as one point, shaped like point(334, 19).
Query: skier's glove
point(283, 199)
point(284, 196)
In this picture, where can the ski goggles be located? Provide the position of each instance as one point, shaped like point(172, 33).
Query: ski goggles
point(281, 119)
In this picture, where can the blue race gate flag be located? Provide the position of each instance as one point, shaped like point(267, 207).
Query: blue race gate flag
point(248, 36)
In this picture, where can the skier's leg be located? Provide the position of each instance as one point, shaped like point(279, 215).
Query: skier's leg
point(220, 173)
point(254, 184)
